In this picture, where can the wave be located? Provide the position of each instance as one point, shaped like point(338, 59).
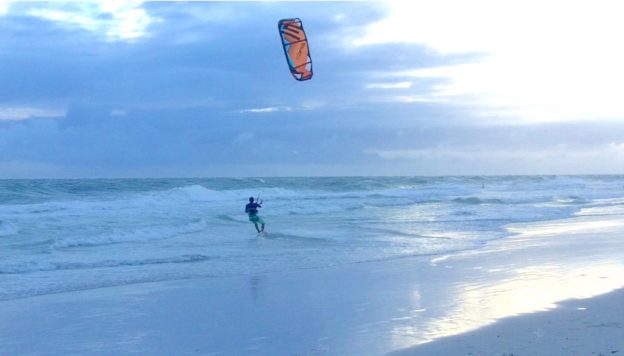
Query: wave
point(406, 234)
point(304, 200)
point(8, 229)
point(201, 193)
point(229, 218)
point(608, 202)
point(548, 181)
point(32, 266)
point(297, 238)
point(139, 235)
point(569, 200)
point(611, 206)
point(182, 195)
point(476, 201)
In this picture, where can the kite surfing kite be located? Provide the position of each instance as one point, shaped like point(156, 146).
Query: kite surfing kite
point(296, 48)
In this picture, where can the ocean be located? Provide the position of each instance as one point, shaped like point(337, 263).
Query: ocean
point(76, 234)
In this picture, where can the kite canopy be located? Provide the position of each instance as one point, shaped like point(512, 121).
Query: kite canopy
point(296, 48)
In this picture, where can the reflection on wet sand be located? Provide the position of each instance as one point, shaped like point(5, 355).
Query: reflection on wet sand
point(528, 275)
point(534, 288)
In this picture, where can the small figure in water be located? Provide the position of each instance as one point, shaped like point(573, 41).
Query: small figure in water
point(252, 210)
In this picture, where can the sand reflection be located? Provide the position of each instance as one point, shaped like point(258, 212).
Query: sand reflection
point(532, 289)
point(531, 274)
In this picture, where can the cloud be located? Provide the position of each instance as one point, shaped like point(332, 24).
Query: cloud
point(534, 62)
point(31, 169)
point(441, 153)
point(118, 113)
point(243, 138)
point(490, 159)
point(396, 85)
point(269, 109)
point(4, 7)
point(114, 20)
point(24, 113)
point(192, 90)
point(617, 148)
point(412, 99)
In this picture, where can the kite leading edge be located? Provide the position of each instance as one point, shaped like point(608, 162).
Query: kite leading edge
point(295, 44)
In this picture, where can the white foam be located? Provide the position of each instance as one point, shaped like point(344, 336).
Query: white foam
point(46, 266)
point(565, 226)
point(137, 235)
point(611, 206)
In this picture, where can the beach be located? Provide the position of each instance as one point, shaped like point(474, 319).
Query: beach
point(311, 178)
point(550, 289)
point(576, 327)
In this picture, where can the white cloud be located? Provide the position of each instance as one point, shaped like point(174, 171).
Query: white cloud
point(312, 104)
point(450, 154)
point(244, 137)
point(24, 113)
point(266, 110)
point(113, 19)
point(540, 61)
point(339, 17)
point(617, 148)
point(411, 99)
point(397, 85)
point(556, 159)
point(4, 7)
point(118, 112)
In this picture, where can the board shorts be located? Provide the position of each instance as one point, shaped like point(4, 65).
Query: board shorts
point(256, 219)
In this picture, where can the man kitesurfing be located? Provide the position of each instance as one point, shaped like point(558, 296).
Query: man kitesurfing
point(252, 210)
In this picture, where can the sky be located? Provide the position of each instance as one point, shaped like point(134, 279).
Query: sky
point(200, 89)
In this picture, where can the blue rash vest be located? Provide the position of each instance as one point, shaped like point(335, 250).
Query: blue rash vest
point(252, 208)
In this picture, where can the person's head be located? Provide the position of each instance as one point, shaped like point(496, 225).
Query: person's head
point(251, 199)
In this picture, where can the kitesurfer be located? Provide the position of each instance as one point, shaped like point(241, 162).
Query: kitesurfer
point(252, 210)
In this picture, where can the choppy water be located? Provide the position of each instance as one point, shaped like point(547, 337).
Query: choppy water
point(60, 235)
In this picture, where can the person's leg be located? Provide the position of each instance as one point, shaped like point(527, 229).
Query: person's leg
point(258, 220)
point(257, 229)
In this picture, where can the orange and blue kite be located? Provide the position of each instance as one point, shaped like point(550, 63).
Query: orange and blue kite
point(296, 48)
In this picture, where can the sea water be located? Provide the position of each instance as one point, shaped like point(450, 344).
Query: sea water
point(63, 235)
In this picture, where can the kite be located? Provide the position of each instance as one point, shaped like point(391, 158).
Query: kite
point(296, 48)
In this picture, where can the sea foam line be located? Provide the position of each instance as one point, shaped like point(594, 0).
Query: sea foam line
point(139, 235)
point(33, 266)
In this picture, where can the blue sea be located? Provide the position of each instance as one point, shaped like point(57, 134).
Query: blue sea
point(64, 235)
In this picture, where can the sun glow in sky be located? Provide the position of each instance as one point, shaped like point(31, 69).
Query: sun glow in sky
point(536, 61)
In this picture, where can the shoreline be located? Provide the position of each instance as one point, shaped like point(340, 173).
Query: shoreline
point(418, 305)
